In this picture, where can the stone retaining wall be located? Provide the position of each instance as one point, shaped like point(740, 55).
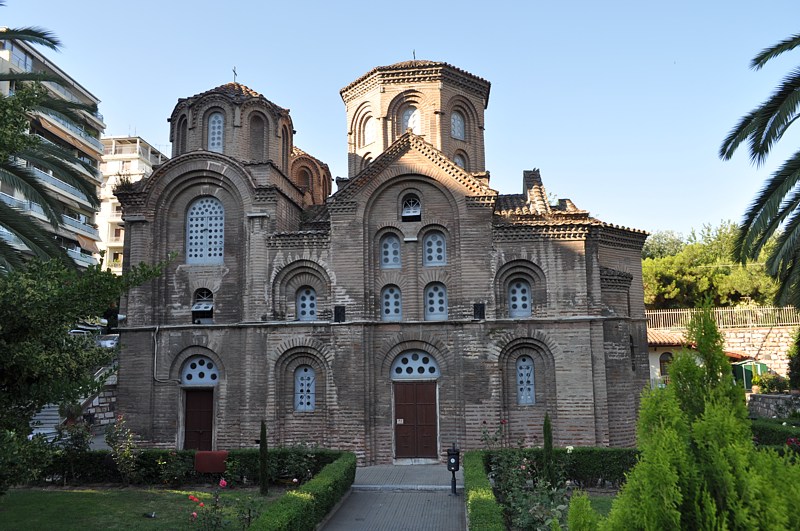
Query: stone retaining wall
point(768, 345)
point(769, 406)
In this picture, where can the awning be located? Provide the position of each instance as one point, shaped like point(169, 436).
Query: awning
point(203, 306)
point(87, 244)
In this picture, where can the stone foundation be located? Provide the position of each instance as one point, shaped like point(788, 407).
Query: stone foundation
point(773, 406)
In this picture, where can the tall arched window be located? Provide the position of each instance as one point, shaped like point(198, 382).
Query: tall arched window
point(410, 119)
point(286, 147)
point(390, 252)
point(305, 388)
point(304, 178)
point(391, 304)
point(306, 304)
point(368, 136)
point(435, 302)
point(457, 126)
point(519, 298)
point(257, 138)
point(205, 231)
point(412, 208)
point(663, 363)
point(182, 131)
point(460, 161)
point(525, 384)
point(434, 249)
point(216, 132)
point(200, 371)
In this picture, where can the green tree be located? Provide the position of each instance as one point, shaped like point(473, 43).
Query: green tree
point(19, 150)
point(663, 243)
point(704, 266)
point(776, 208)
point(698, 467)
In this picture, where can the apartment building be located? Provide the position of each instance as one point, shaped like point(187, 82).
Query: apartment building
point(128, 158)
point(79, 234)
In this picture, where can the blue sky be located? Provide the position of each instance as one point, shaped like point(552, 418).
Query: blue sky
point(621, 105)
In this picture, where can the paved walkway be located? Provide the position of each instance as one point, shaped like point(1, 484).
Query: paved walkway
point(402, 497)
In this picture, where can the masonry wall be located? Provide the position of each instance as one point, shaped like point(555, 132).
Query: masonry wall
point(767, 345)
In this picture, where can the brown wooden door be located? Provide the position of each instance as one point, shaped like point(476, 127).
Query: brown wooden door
point(199, 419)
point(415, 419)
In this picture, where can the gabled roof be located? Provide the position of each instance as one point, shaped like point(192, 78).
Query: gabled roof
point(406, 143)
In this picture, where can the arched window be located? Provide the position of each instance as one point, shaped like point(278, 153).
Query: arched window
point(519, 298)
point(286, 147)
point(390, 252)
point(304, 178)
point(216, 132)
point(368, 136)
point(434, 249)
point(457, 126)
point(460, 160)
point(305, 388)
point(412, 208)
point(391, 304)
point(182, 131)
point(415, 365)
point(257, 138)
point(306, 304)
point(525, 386)
point(410, 120)
point(663, 362)
point(203, 307)
point(435, 302)
point(199, 371)
point(205, 231)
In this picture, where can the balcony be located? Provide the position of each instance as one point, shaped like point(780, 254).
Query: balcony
point(61, 185)
point(68, 95)
point(75, 129)
point(81, 258)
point(30, 206)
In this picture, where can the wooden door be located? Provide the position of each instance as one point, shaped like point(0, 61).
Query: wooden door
point(415, 419)
point(198, 422)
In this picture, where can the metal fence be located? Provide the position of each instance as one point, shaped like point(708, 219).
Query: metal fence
point(735, 317)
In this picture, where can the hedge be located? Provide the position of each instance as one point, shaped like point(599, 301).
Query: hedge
point(483, 511)
point(772, 432)
point(304, 508)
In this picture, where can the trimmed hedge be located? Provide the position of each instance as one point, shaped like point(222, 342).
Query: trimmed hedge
point(304, 508)
point(772, 432)
point(483, 511)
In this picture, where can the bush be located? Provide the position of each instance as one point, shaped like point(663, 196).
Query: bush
point(304, 508)
point(581, 516)
point(483, 511)
point(773, 383)
point(772, 432)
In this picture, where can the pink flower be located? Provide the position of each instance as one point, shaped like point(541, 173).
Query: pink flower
point(193, 498)
point(295, 481)
point(202, 504)
point(194, 516)
point(522, 467)
point(223, 483)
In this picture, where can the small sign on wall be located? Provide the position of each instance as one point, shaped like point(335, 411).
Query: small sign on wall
point(399, 421)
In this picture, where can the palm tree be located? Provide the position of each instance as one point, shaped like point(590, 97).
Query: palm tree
point(19, 150)
point(776, 208)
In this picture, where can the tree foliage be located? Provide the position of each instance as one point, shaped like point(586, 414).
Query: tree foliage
point(20, 150)
point(699, 267)
point(776, 208)
point(698, 467)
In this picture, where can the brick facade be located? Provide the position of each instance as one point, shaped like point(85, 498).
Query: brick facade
point(583, 325)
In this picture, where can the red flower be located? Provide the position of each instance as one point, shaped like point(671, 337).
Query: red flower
point(223, 483)
point(503, 421)
point(193, 498)
point(202, 504)
point(194, 516)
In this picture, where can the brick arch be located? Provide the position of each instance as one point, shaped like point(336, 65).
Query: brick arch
point(402, 342)
point(195, 350)
point(297, 343)
point(396, 107)
point(292, 277)
point(313, 426)
point(526, 270)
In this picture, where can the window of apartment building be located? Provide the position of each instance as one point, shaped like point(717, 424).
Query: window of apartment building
point(390, 251)
point(391, 304)
point(434, 249)
point(435, 302)
point(305, 388)
point(306, 304)
point(205, 231)
point(525, 384)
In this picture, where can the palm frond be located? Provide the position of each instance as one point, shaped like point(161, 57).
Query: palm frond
point(68, 109)
point(33, 234)
point(10, 257)
point(24, 180)
point(773, 117)
point(64, 166)
point(772, 52)
point(31, 34)
point(738, 134)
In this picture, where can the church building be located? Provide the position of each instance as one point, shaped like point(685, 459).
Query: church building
point(414, 308)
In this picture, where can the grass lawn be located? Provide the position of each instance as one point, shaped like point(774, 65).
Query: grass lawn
point(114, 508)
point(602, 502)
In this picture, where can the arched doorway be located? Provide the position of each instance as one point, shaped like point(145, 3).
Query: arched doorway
point(199, 377)
point(414, 374)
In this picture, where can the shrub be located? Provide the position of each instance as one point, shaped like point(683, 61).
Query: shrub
point(773, 383)
point(263, 460)
point(304, 508)
point(771, 432)
point(581, 516)
point(794, 361)
point(123, 449)
point(483, 511)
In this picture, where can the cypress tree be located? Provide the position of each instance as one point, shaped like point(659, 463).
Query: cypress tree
point(263, 461)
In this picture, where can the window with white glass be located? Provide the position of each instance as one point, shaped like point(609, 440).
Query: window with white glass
point(369, 131)
point(410, 120)
point(457, 125)
point(414, 365)
point(391, 304)
point(412, 208)
point(434, 249)
point(203, 307)
point(306, 304)
point(216, 132)
point(525, 388)
point(200, 371)
point(205, 231)
point(461, 161)
point(519, 298)
point(390, 251)
point(435, 302)
point(305, 388)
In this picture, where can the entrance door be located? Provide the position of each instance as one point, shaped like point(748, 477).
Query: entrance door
point(199, 419)
point(415, 419)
